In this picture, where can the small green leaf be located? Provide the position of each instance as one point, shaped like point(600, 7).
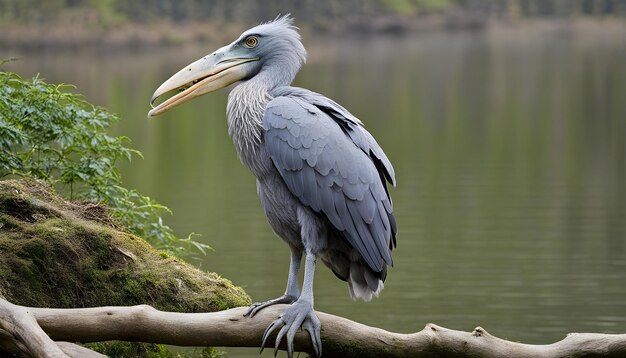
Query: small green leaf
point(50, 133)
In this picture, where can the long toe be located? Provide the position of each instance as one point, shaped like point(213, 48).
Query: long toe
point(257, 306)
point(299, 315)
point(268, 331)
point(313, 326)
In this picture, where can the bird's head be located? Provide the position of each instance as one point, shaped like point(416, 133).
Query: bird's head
point(272, 49)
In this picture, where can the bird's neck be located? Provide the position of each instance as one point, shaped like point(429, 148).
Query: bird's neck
point(246, 105)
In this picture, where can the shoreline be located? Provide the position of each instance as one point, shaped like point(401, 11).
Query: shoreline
point(127, 37)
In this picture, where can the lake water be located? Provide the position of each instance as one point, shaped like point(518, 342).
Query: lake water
point(509, 150)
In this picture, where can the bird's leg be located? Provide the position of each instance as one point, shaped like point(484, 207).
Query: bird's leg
point(291, 293)
point(299, 314)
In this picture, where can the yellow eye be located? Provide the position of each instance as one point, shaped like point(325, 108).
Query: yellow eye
point(251, 41)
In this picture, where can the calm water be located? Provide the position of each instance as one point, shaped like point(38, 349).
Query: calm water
point(509, 151)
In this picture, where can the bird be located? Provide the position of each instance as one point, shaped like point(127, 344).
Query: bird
point(321, 176)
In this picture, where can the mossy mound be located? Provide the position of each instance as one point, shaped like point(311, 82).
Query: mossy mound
point(55, 253)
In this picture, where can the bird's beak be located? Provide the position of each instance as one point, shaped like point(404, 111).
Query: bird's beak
point(208, 74)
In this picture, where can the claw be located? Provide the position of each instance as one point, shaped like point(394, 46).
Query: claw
point(314, 333)
point(257, 306)
point(289, 348)
point(279, 337)
point(298, 315)
point(251, 309)
point(268, 332)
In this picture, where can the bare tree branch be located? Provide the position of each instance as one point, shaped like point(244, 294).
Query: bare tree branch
point(9, 345)
point(341, 337)
point(20, 324)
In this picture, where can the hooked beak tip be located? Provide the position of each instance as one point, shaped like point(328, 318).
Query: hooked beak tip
point(154, 98)
point(152, 111)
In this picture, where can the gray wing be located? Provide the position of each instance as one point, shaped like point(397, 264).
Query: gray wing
point(335, 167)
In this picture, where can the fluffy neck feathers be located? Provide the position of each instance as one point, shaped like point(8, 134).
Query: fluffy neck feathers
point(246, 105)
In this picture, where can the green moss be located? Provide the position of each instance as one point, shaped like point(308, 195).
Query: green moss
point(55, 253)
point(132, 350)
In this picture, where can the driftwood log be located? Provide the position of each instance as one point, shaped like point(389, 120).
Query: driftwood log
point(45, 332)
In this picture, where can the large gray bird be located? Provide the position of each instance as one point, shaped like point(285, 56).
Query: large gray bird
point(321, 176)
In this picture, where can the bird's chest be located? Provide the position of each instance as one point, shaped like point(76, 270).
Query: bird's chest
point(246, 105)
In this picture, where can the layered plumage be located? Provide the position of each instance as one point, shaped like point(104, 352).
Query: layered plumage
point(335, 167)
point(321, 177)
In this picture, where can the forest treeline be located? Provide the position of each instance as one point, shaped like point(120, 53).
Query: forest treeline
point(311, 11)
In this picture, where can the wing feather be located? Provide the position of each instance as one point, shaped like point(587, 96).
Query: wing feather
point(334, 166)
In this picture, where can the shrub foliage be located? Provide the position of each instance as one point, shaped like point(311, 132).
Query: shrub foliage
point(51, 134)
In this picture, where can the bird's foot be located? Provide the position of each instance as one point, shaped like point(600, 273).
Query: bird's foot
point(257, 306)
point(299, 314)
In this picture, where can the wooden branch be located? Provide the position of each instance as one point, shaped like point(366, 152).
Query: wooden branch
point(340, 337)
point(20, 324)
point(8, 345)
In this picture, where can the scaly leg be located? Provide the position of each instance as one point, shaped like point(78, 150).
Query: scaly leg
point(299, 314)
point(291, 293)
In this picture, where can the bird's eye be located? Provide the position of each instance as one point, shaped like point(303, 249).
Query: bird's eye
point(251, 41)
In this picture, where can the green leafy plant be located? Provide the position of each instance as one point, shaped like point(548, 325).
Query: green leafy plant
point(51, 134)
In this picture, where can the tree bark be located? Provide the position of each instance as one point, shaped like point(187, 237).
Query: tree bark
point(20, 333)
point(21, 328)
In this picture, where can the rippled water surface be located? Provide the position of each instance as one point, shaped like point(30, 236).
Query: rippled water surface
point(509, 151)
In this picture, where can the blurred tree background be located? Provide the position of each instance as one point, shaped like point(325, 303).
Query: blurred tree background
point(309, 11)
point(58, 24)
